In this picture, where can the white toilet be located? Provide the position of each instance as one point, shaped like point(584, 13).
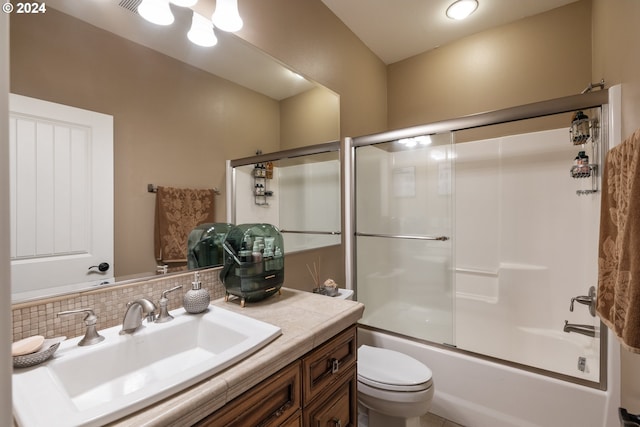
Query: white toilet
point(395, 388)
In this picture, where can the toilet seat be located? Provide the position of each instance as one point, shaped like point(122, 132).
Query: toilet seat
point(390, 370)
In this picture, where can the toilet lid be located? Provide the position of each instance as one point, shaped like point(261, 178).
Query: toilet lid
point(391, 370)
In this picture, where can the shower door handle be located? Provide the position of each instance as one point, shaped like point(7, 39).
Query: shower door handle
point(403, 236)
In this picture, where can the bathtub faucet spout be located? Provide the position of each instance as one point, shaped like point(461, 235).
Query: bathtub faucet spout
point(588, 330)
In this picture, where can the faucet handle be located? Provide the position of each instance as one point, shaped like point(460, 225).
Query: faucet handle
point(589, 300)
point(164, 315)
point(91, 335)
point(175, 288)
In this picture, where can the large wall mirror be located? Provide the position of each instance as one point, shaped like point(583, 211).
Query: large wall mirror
point(179, 110)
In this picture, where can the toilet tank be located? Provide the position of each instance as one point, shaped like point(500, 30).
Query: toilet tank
point(344, 294)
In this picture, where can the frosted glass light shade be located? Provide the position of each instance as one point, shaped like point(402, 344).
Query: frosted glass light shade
point(226, 16)
point(156, 11)
point(462, 9)
point(201, 32)
point(184, 3)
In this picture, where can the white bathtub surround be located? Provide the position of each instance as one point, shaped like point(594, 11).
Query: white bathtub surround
point(536, 249)
point(478, 393)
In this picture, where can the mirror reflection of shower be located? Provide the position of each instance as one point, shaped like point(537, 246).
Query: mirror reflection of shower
point(296, 190)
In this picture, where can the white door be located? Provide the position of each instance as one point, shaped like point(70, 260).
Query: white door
point(61, 177)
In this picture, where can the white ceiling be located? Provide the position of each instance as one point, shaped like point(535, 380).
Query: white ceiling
point(392, 29)
point(398, 29)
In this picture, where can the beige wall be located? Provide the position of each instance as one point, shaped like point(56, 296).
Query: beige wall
point(307, 36)
point(534, 59)
point(616, 58)
point(311, 117)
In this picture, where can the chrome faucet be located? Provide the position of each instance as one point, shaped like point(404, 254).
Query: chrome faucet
point(136, 311)
point(588, 330)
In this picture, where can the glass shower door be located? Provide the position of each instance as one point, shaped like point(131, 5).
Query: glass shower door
point(403, 208)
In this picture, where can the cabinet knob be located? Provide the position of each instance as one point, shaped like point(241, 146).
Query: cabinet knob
point(337, 422)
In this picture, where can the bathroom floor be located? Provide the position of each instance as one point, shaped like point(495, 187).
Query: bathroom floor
point(431, 420)
point(428, 420)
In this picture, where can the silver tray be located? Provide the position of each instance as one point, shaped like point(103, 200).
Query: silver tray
point(49, 346)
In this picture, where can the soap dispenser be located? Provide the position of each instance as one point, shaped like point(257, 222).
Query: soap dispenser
point(196, 300)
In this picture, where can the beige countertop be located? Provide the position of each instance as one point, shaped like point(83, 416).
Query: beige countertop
point(306, 319)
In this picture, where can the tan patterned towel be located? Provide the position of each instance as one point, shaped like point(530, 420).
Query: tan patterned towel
point(178, 211)
point(618, 300)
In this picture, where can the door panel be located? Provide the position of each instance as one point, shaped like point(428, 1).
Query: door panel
point(61, 174)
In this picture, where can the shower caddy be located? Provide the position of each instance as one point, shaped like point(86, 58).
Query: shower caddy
point(584, 131)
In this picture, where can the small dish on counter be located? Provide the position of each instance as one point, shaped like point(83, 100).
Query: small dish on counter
point(44, 353)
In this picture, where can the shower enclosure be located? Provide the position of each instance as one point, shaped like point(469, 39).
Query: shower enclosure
point(480, 235)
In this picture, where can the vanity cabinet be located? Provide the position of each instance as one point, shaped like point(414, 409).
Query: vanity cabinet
point(330, 382)
point(276, 401)
point(317, 390)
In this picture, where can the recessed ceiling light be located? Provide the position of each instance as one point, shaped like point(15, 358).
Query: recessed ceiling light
point(462, 9)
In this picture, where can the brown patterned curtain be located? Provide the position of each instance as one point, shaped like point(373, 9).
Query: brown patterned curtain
point(178, 211)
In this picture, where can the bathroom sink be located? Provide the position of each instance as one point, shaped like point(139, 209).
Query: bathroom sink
point(93, 385)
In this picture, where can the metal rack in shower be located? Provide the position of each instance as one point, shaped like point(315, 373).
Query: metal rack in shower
point(585, 131)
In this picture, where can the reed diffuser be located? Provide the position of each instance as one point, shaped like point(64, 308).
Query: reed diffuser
point(329, 287)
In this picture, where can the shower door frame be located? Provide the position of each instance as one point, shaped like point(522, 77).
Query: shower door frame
point(594, 99)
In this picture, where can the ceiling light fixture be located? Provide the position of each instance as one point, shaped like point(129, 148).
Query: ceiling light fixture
point(184, 3)
point(156, 11)
point(226, 16)
point(461, 9)
point(201, 32)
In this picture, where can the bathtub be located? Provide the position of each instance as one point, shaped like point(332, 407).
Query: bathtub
point(476, 392)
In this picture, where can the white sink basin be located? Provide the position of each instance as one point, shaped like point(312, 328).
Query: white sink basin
point(91, 386)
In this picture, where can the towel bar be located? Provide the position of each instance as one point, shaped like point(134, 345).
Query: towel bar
point(152, 188)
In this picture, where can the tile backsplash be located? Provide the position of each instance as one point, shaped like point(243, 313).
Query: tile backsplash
point(39, 317)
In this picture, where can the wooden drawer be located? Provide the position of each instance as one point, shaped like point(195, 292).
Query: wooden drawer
point(323, 366)
point(337, 405)
point(271, 403)
point(294, 421)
